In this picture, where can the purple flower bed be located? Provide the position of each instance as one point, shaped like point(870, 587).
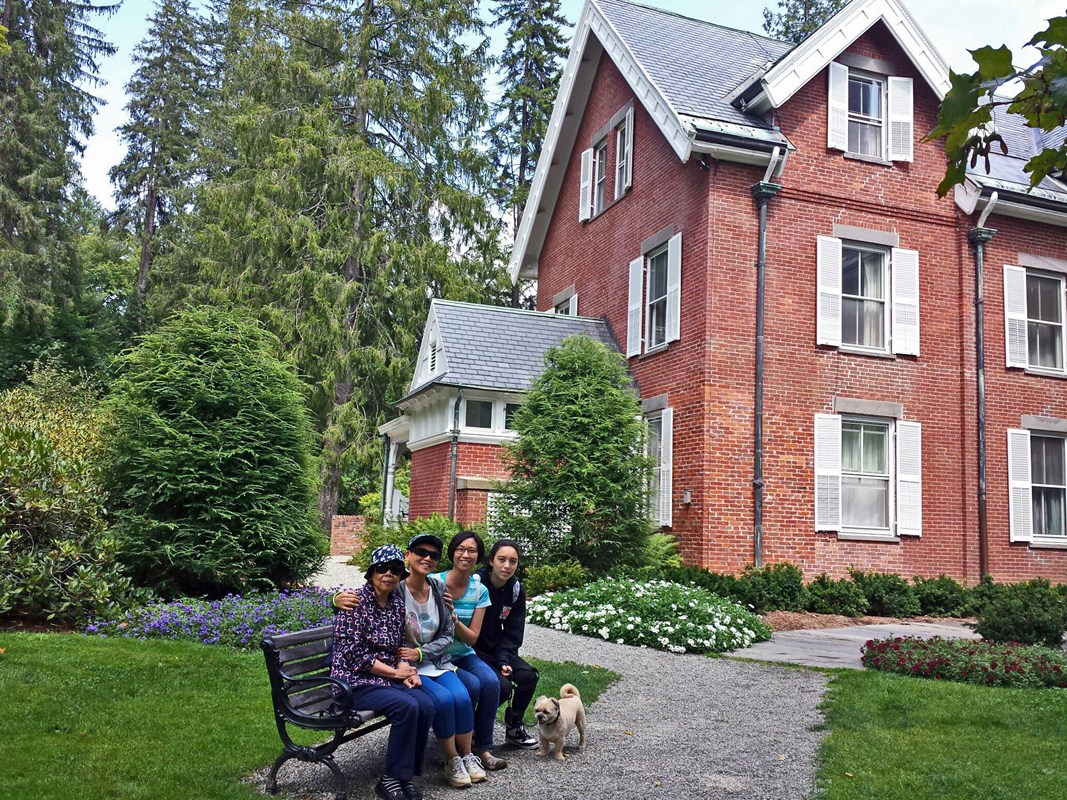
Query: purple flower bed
point(233, 621)
point(968, 661)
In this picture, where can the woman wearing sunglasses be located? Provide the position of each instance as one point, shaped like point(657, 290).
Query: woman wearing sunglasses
point(470, 599)
point(367, 639)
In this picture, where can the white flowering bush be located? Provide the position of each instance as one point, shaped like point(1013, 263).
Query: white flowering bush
point(658, 614)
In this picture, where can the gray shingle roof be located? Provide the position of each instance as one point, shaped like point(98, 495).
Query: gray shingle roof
point(1006, 171)
point(695, 64)
point(489, 347)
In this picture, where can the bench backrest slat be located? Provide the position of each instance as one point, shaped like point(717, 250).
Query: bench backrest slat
point(284, 640)
point(302, 669)
point(315, 648)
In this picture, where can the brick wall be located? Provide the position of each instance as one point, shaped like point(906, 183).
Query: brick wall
point(708, 374)
point(430, 472)
point(346, 533)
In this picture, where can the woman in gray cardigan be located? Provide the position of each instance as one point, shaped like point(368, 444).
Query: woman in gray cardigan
point(429, 629)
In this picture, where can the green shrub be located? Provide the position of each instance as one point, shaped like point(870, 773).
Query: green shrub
point(656, 614)
point(57, 559)
point(401, 532)
point(827, 596)
point(887, 594)
point(543, 578)
point(724, 586)
point(776, 587)
point(966, 661)
point(940, 596)
point(1030, 612)
point(213, 469)
point(979, 596)
point(661, 551)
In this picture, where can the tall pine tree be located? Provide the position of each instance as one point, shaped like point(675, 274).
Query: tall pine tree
point(530, 69)
point(46, 110)
point(161, 135)
point(796, 19)
point(350, 194)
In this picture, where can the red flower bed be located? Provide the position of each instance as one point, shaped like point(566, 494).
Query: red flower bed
point(967, 661)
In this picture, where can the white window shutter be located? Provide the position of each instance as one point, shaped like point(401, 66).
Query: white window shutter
point(828, 302)
point(827, 472)
point(901, 122)
point(905, 271)
point(585, 191)
point(1015, 316)
point(633, 308)
point(666, 469)
point(837, 122)
point(629, 148)
point(1020, 517)
point(674, 288)
point(909, 479)
point(574, 305)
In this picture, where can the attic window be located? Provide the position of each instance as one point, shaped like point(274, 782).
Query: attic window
point(870, 115)
point(865, 115)
point(433, 358)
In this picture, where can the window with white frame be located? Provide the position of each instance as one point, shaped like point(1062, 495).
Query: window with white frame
point(624, 137)
point(868, 297)
point(479, 414)
point(654, 304)
point(488, 416)
point(659, 446)
point(1037, 484)
point(870, 115)
point(868, 476)
point(1034, 317)
point(568, 306)
point(510, 409)
point(600, 177)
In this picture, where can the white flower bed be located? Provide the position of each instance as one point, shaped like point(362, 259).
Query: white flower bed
point(658, 614)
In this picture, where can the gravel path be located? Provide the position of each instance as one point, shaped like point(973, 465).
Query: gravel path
point(675, 726)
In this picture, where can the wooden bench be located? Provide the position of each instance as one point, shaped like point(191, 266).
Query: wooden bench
point(303, 694)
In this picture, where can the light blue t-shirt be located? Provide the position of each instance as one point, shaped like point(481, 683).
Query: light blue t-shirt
point(476, 596)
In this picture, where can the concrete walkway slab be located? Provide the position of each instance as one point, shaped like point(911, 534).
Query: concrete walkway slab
point(841, 647)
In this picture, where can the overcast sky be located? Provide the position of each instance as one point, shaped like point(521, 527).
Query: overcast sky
point(955, 26)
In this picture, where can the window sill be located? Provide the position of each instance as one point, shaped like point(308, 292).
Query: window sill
point(858, 351)
point(1044, 373)
point(1049, 544)
point(860, 536)
point(659, 348)
point(881, 162)
point(609, 205)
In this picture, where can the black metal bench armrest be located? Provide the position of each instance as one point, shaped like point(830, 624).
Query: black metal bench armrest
point(342, 700)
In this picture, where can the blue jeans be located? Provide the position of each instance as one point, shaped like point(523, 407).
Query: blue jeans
point(409, 711)
point(484, 690)
point(452, 706)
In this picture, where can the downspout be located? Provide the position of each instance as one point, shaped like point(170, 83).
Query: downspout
point(453, 456)
point(762, 192)
point(978, 236)
point(385, 476)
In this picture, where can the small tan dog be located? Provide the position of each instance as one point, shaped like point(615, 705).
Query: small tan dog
point(556, 718)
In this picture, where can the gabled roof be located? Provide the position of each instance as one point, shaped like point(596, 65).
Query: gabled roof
point(690, 76)
point(501, 349)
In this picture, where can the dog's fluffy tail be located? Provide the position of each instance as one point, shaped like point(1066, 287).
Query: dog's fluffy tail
point(569, 690)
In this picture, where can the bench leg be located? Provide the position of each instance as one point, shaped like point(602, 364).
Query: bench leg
point(309, 755)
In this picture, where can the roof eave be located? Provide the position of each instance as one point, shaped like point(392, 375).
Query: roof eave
point(973, 195)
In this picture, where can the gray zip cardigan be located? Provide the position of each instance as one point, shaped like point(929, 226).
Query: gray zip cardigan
point(436, 650)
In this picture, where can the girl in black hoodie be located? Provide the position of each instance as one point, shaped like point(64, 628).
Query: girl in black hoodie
point(501, 637)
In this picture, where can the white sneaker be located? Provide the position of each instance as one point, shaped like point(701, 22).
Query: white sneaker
point(474, 768)
point(456, 773)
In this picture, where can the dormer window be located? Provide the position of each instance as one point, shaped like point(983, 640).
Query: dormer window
point(865, 115)
point(870, 114)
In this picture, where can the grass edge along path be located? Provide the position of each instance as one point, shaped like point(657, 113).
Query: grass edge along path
point(899, 738)
point(124, 719)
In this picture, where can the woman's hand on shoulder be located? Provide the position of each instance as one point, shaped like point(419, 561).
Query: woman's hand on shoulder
point(346, 600)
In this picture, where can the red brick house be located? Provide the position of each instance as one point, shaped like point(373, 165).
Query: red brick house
point(840, 367)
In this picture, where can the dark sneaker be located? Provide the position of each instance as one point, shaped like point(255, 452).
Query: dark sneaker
point(389, 789)
point(519, 736)
point(411, 791)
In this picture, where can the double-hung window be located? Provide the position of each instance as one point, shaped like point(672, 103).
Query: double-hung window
point(655, 297)
point(624, 138)
point(1034, 317)
point(868, 476)
point(600, 177)
point(659, 447)
point(597, 162)
point(870, 115)
point(1037, 482)
point(868, 297)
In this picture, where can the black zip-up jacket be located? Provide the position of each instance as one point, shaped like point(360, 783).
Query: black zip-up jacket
point(503, 623)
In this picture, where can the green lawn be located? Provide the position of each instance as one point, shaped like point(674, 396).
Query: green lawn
point(899, 738)
point(119, 719)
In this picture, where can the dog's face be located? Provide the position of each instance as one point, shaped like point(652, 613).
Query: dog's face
point(546, 710)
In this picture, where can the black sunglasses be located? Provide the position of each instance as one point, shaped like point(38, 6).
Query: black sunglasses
point(394, 567)
point(422, 552)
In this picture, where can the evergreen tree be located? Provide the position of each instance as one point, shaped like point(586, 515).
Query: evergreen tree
point(161, 135)
point(579, 480)
point(46, 109)
point(530, 70)
point(798, 18)
point(349, 195)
